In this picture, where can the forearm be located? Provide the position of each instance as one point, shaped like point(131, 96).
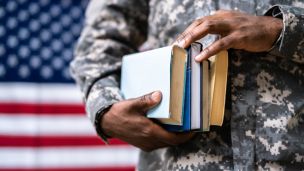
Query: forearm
point(104, 92)
point(112, 29)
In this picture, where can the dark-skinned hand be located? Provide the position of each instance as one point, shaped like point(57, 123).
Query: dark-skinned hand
point(236, 29)
point(126, 120)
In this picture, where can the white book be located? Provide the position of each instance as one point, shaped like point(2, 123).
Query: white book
point(196, 81)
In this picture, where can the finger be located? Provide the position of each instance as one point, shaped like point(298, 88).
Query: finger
point(219, 45)
point(170, 138)
point(146, 102)
point(190, 27)
point(194, 24)
point(215, 26)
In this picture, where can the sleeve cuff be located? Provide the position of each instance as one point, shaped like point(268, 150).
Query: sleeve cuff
point(291, 36)
point(276, 12)
point(97, 123)
point(101, 97)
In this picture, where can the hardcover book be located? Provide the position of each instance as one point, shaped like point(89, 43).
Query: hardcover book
point(193, 94)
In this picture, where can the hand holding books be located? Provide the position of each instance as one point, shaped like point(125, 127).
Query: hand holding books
point(237, 30)
point(127, 121)
point(187, 104)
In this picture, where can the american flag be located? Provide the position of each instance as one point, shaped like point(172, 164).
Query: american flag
point(43, 125)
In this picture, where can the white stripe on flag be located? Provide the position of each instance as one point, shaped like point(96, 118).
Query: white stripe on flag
point(41, 93)
point(28, 124)
point(75, 157)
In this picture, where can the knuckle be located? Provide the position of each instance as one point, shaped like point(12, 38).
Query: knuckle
point(209, 24)
point(190, 35)
point(142, 99)
point(197, 21)
point(206, 50)
point(181, 37)
point(242, 37)
point(222, 44)
point(125, 121)
point(147, 131)
point(145, 99)
point(228, 42)
point(243, 28)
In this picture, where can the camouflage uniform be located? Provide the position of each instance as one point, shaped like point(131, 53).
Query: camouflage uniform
point(263, 127)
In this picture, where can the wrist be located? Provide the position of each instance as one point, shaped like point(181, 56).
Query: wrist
point(277, 27)
point(104, 124)
point(98, 123)
point(276, 31)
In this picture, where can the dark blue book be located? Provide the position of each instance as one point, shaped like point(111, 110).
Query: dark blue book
point(186, 126)
point(186, 108)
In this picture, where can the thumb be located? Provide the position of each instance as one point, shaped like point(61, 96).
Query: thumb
point(146, 102)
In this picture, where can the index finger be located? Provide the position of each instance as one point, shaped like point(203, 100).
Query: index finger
point(190, 27)
point(194, 24)
point(219, 45)
point(208, 26)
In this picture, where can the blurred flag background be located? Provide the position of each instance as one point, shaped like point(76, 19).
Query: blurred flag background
point(42, 121)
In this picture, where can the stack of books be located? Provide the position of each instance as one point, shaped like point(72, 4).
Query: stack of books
point(193, 94)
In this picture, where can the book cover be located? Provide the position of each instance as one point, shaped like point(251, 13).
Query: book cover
point(160, 69)
point(186, 126)
point(218, 84)
point(191, 120)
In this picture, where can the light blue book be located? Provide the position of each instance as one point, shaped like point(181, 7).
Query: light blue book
point(161, 69)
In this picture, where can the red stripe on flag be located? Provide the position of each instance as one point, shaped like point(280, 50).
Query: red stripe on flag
point(53, 141)
point(23, 108)
point(127, 168)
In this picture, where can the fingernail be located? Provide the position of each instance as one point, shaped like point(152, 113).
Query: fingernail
point(156, 96)
point(180, 44)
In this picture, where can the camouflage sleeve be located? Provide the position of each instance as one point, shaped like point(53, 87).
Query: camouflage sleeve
point(291, 41)
point(112, 28)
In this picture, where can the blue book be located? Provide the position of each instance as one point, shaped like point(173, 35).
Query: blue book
point(186, 126)
point(191, 121)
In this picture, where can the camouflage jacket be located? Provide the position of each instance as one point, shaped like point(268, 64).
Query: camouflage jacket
point(263, 127)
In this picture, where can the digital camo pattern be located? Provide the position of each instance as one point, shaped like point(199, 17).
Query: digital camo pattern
point(264, 122)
